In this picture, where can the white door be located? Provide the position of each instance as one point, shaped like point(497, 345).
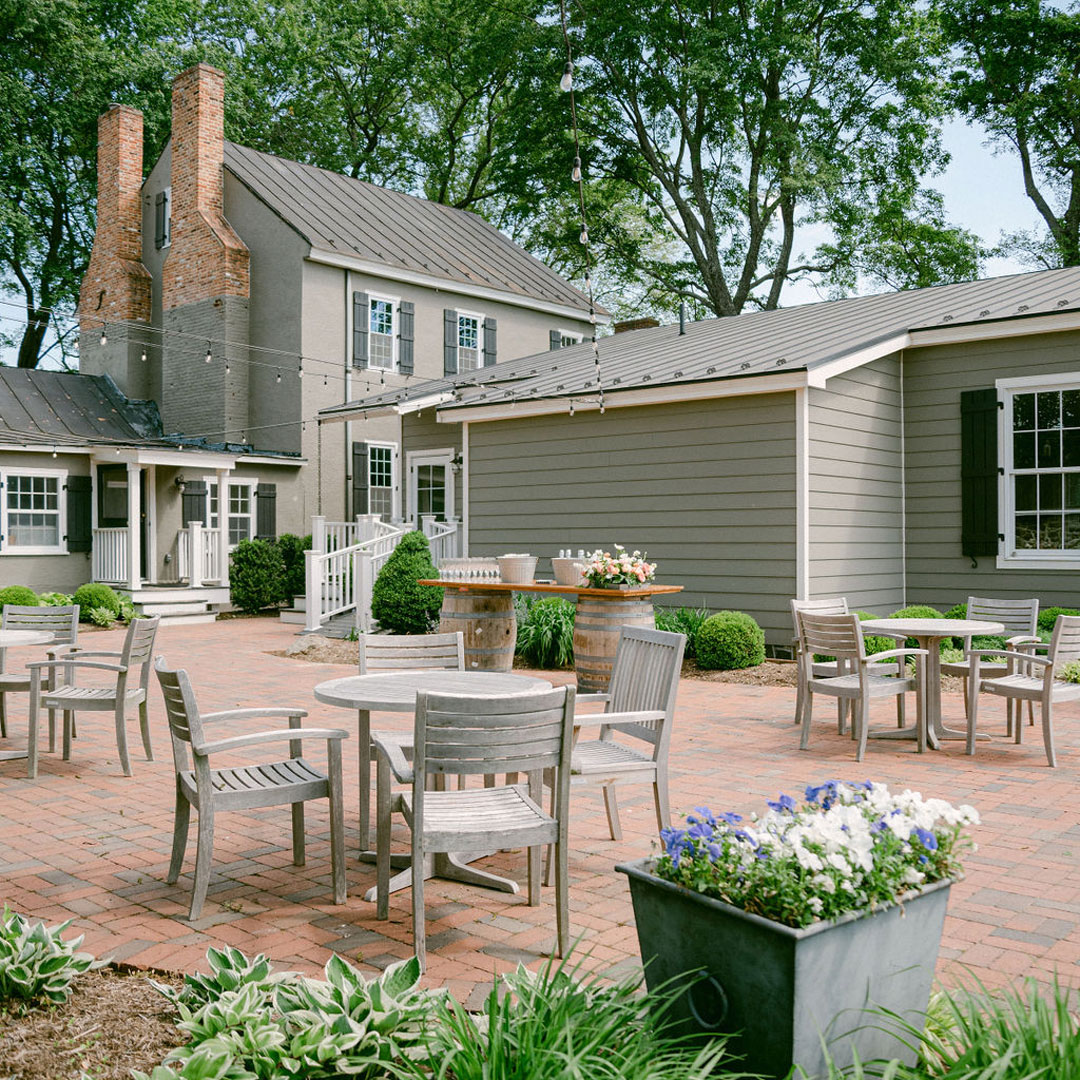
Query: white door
point(431, 484)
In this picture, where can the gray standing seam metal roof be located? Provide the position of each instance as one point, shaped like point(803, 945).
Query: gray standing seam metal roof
point(336, 213)
point(760, 343)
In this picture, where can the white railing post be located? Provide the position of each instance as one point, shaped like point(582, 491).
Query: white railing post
point(318, 534)
point(427, 525)
point(223, 526)
point(363, 582)
point(313, 588)
point(196, 554)
point(366, 527)
point(454, 546)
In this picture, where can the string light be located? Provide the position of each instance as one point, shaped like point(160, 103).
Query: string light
point(54, 451)
point(566, 83)
point(209, 352)
point(300, 368)
point(228, 370)
point(143, 357)
point(575, 173)
point(571, 406)
point(278, 379)
point(104, 336)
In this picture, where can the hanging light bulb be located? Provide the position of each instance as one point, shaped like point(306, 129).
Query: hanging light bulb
point(278, 379)
point(54, 451)
point(601, 408)
point(571, 407)
point(104, 336)
point(209, 353)
point(566, 83)
point(575, 173)
point(300, 368)
point(228, 369)
point(382, 378)
point(324, 380)
point(143, 357)
point(584, 237)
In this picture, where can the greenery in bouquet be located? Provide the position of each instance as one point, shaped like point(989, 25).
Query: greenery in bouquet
point(846, 847)
point(604, 570)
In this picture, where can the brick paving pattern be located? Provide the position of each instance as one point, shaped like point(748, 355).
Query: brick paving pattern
point(85, 843)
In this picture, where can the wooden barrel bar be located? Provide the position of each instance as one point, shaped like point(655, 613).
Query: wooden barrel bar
point(487, 624)
point(596, 634)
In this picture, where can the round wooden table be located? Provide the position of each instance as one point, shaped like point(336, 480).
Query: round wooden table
point(14, 639)
point(395, 691)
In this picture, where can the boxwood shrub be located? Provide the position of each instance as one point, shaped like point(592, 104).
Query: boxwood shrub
point(1048, 617)
point(292, 549)
point(95, 595)
point(18, 594)
point(730, 640)
point(256, 575)
point(399, 604)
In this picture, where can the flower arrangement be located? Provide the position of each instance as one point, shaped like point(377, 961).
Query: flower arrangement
point(603, 570)
point(847, 847)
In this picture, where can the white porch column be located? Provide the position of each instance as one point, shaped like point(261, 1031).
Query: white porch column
point(196, 565)
point(151, 523)
point(223, 524)
point(134, 528)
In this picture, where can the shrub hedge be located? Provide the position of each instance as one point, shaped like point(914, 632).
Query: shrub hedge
point(256, 575)
point(730, 640)
point(399, 604)
point(95, 595)
point(18, 594)
point(292, 549)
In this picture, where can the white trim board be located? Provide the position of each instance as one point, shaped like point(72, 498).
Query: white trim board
point(803, 584)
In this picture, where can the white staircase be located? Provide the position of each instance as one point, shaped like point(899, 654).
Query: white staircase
point(181, 604)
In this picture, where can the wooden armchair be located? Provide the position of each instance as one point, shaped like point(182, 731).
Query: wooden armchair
point(290, 782)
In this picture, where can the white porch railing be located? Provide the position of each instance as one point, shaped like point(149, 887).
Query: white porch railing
point(109, 551)
point(206, 544)
point(340, 579)
point(444, 538)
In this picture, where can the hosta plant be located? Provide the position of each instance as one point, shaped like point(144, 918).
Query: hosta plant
point(846, 847)
point(35, 961)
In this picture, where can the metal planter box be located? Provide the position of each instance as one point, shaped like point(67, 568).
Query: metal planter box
point(779, 990)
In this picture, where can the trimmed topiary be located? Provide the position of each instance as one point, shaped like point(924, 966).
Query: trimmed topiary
point(399, 604)
point(1048, 617)
point(957, 611)
point(19, 594)
point(95, 595)
point(292, 549)
point(729, 640)
point(256, 575)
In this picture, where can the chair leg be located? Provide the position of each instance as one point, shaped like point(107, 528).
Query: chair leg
point(800, 695)
point(181, 818)
point(382, 840)
point(337, 820)
point(1048, 732)
point(862, 720)
point(298, 856)
point(1031, 714)
point(52, 731)
point(1009, 714)
point(972, 717)
point(32, 733)
point(144, 724)
point(562, 899)
point(68, 721)
point(808, 712)
point(549, 779)
point(532, 858)
point(611, 805)
point(203, 859)
point(899, 710)
point(121, 744)
point(3, 714)
point(364, 736)
point(841, 716)
point(660, 798)
point(419, 927)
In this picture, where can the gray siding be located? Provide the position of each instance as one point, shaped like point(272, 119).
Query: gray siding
point(856, 488)
point(707, 488)
point(937, 573)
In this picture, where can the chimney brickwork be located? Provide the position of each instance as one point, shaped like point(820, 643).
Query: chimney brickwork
point(115, 291)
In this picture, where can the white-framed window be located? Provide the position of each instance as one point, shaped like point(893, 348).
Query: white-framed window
point(1039, 440)
point(382, 335)
point(469, 355)
point(240, 516)
point(382, 466)
point(569, 337)
point(33, 512)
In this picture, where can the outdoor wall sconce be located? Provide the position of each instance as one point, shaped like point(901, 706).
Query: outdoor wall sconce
point(181, 484)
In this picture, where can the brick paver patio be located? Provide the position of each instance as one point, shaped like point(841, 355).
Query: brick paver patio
point(84, 842)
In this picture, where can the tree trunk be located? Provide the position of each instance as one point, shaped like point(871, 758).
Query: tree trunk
point(30, 346)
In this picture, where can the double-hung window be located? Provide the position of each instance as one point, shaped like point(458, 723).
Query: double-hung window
point(381, 333)
point(240, 513)
point(380, 463)
point(32, 512)
point(1041, 467)
point(469, 356)
point(568, 338)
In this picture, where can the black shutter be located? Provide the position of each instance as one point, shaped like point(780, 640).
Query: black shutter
point(359, 478)
point(490, 326)
point(360, 317)
point(450, 341)
point(160, 212)
point(407, 315)
point(554, 339)
point(266, 512)
point(979, 472)
point(79, 530)
point(193, 503)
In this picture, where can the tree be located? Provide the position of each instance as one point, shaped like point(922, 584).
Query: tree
point(1017, 72)
point(740, 124)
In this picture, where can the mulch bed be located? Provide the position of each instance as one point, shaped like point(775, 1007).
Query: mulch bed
point(114, 1021)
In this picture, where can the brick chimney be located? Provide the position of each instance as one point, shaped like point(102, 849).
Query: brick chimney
point(116, 287)
point(205, 281)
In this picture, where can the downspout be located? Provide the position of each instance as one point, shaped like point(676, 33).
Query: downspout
point(465, 489)
point(350, 510)
point(903, 491)
point(802, 494)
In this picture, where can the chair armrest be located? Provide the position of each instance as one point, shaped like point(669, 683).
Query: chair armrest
point(1024, 639)
point(1010, 654)
point(82, 652)
point(284, 735)
point(76, 664)
point(614, 719)
point(1026, 645)
point(247, 714)
point(66, 650)
point(592, 699)
point(390, 746)
point(873, 658)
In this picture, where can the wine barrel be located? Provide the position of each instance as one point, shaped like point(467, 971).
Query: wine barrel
point(596, 635)
point(486, 621)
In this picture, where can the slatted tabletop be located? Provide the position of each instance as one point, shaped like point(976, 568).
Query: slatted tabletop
point(395, 691)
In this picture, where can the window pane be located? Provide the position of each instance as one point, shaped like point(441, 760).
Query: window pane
point(1024, 450)
point(1072, 491)
point(1026, 531)
point(1070, 447)
point(1070, 408)
point(381, 350)
point(1050, 492)
point(1023, 412)
point(381, 502)
point(1049, 410)
point(1027, 492)
point(1049, 449)
point(1072, 531)
point(1049, 532)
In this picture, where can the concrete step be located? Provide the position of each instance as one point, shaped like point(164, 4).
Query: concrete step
point(180, 594)
point(195, 607)
point(293, 616)
point(189, 620)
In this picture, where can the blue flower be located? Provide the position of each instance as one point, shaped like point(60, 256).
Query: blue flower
point(730, 819)
point(926, 838)
point(830, 789)
point(761, 855)
point(699, 830)
point(879, 826)
point(706, 814)
point(784, 804)
point(714, 852)
point(924, 859)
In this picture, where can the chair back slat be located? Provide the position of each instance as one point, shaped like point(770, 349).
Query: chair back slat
point(139, 645)
point(1065, 642)
point(1017, 616)
point(832, 605)
point(412, 652)
point(185, 726)
point(645, 678)
point(61, 622)
point(830, 635)
point(463, 735)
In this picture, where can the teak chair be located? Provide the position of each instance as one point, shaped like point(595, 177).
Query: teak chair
point(460, 735)
point(62, 623)
point(840, 636)
point(291, 782)
point(1028, 678)
point(65, 695)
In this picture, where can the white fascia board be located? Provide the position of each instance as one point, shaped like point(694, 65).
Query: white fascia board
point(203, 458)
point(262, 459)
point(841, 365)
point(429, 281)
point(621, 399)
point(59, 448)
point(342, 414)
point(420, 403)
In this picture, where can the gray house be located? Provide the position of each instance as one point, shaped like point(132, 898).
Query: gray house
point(909, 447)
point(242, 294)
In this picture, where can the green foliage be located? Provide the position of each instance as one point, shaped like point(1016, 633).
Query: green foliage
point(730, 640)
point(94, 595)
point(1048, 617)
point(127, 609)
point(292, 549)
point(683, 620)
point(20, 595)
point(554, 1025)
point(36, 962)
point(256, 575)
point(100, 616)
point(56, 599)
point(1070, 672)
point(545, 637)
point(400, 605)
point(915, 611)
point(957, 611)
